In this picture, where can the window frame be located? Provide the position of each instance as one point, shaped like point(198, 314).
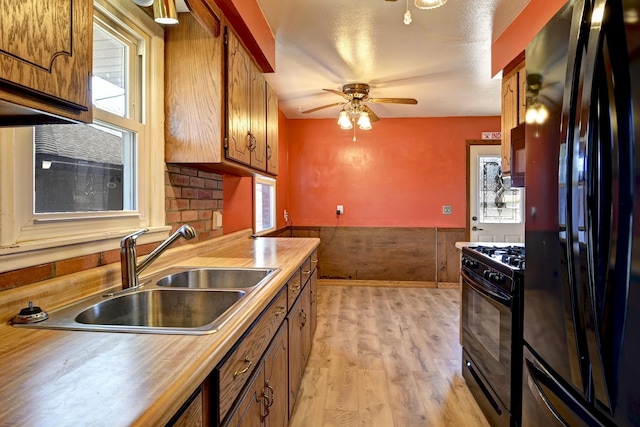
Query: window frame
point(264, 180)
point(28, 239)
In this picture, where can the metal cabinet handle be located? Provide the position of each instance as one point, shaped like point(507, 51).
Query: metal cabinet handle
point(281, 310)
point(245, 369)
point(306, 272)
point(269, 152)
point(295, 288)
point(273, 396)
point(304, 318)
point(314, 260)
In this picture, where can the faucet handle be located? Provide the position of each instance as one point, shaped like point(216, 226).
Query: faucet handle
point(130, 240)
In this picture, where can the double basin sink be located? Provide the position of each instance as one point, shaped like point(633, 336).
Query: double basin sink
point(178, 300)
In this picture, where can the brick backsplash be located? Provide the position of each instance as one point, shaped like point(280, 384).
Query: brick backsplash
point(191, 197)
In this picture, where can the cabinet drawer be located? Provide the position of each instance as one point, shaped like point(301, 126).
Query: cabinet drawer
point(306, 270)
point(233, 372)
point(294, 286)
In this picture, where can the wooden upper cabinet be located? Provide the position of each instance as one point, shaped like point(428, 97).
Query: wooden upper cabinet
point(239, 87)
point(513, 110)
point(272, 131)
point(193, 93)
point(258, 120)
point(45, 61)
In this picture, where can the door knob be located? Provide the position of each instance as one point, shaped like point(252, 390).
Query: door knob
point(474, 228)
point(474, 218)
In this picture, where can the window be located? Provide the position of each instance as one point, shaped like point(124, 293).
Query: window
point(264, 196)
point(70, 190)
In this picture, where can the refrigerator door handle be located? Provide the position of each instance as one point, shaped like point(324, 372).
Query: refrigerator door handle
point(564, 407)
point(609, 200)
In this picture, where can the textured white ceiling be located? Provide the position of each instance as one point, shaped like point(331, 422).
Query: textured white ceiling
point(442, 59)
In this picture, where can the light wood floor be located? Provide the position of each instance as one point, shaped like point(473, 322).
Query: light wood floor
point(387, 357)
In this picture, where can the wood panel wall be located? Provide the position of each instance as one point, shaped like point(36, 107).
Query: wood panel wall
point(423, 254)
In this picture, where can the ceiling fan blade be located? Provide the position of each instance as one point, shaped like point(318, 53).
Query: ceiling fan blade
point(372, 116)
point(337, 92)
point(323, 107)
point(393, 101)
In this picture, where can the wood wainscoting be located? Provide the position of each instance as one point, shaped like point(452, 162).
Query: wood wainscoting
point(390, 254)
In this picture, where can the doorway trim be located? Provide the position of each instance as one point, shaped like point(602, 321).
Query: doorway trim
point(470, 142)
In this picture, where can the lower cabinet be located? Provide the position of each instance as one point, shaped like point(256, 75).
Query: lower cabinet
point(257, 382)
point(299, 342)
point(313, 291)
point(264, 401)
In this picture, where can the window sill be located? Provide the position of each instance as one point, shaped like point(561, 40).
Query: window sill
point(28, 254)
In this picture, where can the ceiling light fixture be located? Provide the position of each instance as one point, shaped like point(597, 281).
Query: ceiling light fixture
point(344, 120)
point(164, 12)
point(428, 4)
point(407, 15)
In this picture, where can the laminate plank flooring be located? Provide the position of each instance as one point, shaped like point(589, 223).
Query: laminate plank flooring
point(386, 357)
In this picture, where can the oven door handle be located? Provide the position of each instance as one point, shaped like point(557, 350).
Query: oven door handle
point(486, 292)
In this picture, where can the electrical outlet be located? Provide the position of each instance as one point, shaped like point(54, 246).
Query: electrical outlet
point(340, 210)
point(286, 215)
point(446, 210)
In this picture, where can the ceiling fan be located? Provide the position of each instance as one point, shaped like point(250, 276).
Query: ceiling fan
point(356, 95)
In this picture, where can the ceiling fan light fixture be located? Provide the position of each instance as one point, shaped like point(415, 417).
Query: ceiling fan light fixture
point(364, 122)
point(344, 120)
point(428, 4)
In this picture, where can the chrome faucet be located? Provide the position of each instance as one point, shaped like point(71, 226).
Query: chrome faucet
point(128, 254)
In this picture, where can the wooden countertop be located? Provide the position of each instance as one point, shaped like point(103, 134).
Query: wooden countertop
point(69, 378)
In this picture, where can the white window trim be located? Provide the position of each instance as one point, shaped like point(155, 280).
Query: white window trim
point(26, 242)
point(259, 179)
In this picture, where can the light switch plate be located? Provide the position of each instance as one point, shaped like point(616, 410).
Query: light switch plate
point(446, 210)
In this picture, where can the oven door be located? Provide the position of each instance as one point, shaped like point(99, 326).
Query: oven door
point(487, 332)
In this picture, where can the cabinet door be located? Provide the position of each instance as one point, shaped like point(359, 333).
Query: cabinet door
point(276, 380)
point(248, 410)
point(299, 344)
point(238, 101)
point(272, 131)
point(313, 293)
point(46, 51)
point(509, 117)
point(258, 116)
point(522, 94)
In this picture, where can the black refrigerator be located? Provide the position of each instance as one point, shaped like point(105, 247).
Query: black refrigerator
point(581, 320)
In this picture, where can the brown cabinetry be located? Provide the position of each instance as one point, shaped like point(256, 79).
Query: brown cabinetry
point(193, 93)
point(272, 131)
point(232, 373)
point(513, 110)
point(299, 343)
point(264, 402)
point(45, 61)
point(246, 140)
point(215, 102)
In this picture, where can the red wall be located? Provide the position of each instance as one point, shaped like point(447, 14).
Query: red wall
point(515, 38)
point(400, 173)
point(237, 213)
point(282, 186)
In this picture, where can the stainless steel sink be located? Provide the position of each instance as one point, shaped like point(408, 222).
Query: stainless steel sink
point(159, 308)
point(215, 278)
point(178, 300)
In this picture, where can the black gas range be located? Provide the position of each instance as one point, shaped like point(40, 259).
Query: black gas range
point(491, 323)
point(502, 266)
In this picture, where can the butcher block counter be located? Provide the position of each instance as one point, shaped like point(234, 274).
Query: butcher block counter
point(80, 378)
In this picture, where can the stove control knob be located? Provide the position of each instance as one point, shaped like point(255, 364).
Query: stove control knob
point(469, 263)
point(498, 279)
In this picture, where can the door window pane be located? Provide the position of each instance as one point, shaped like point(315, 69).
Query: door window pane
point(498, 202)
